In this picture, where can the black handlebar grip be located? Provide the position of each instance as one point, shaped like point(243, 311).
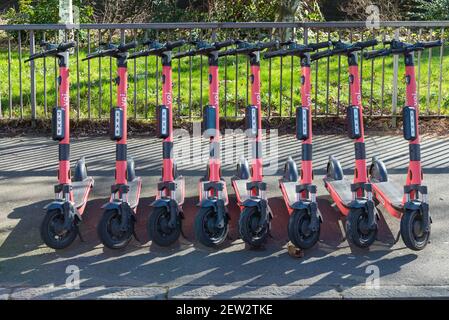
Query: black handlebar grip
point(319, 45)
point(227, 52)
point(66, 45)
point(174, 44)
point(277, 53)
point(430, 44)
point(376, 53)
point(127, 46)
point(266, 45)
point(184, 54)
point(286, 43)
point(224, 44)
point(366, 44)
point(321, 54)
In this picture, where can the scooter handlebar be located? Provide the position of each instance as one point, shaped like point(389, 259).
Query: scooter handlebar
point(62, 47)
point(319, 45)
point(277, 53)
point(430, 44)
point(127, 46)
point(224, 44)
point(174, 44)
point(321, 54)
point(376, 53)
point(180, 55)
point(366, 44)
point(265, 45)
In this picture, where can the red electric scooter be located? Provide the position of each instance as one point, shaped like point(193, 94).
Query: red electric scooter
point(300, 196)
point(60, 225)
point(410, 205)
point(116, 226)
point(211, 221)
point(164, 224)
point(355, 200)
point(255, 218)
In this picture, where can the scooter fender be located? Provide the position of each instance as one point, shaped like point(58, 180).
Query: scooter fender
point(364, 204)
point(59, 205)
point(161, 203)
point(262, 205)
point(172, 207)
point(300, 205)
point(411, 205)
point(219, 208)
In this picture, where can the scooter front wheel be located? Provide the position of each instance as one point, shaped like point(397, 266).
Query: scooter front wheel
point(299, 232)
point(159, 230)
point(249, 228)
point(357, 228)
point(206, 231)
point(52, 232)
point(412, 233)
point(110, 233)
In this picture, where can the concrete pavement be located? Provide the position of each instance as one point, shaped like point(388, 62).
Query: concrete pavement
point(332, 269)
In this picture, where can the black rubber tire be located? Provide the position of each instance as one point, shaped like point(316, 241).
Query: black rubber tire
point(298, 229)
point(104, 232)
point(49, 236)
point(354, 233)
point(156, 234)
point(253, 239)
point(412, 240)
point(202, 232)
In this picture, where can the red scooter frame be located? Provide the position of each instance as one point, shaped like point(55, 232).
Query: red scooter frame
point(255, 218)
point(300, 196)
point(60, 225)
point(211, 221)
point(116, 226)
point(353, 199)
point(410, 206)
point(164, 224)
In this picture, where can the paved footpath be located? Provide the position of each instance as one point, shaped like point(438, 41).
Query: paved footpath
point(332, 269)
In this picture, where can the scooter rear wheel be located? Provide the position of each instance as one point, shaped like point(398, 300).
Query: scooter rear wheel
point(54, 238)
point(205, 230)
point(248, 227)
point(357, 230)
point(411, 231)
point(159, 231)
point(298, 230)
point(109, 233)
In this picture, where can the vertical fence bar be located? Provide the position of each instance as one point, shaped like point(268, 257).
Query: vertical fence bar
point(429, 73)
point(327, 77)
point(383, 78)
point(280, 85)
point(394, 98)
point(190, 81)
point(269, 87)
point(45, 79)
point(9, 79)
point(157, 74)
point(316, 76)
point(89, 84)
point(135, 81)
point(236, 84)
point(348, 82)
point(32, 79)
point(78, 95)
point(20, 74)
point(146, 80)
point(441, 71)
point(418, 80)
point(339, 79)
point(179, 84)
point(372, 81)
point(225, 87)
point(361, 67)
point(291, 81)
point(100, 92)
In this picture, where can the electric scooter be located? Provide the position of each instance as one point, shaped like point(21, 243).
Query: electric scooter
point(300, 196)
point(116, 226)
point(411, 205)
point(354, 200)
point(63, 215)
point(164, 224)
point(255, 218)
point(211, 221)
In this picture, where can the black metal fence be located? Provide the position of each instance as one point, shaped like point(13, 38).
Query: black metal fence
point(28, 90)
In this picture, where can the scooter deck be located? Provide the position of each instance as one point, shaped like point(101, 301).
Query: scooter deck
point(81, 190)
point(342, 188)
point(134, 192)
point(289, 190)
point(239, 186)
point(390, 191)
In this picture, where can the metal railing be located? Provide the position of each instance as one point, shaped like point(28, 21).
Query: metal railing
point(28, 90)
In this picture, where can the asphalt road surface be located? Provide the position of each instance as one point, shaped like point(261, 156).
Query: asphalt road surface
point(332, 269)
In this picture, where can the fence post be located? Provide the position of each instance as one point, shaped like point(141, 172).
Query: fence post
point(394, 99)
point(33, 80)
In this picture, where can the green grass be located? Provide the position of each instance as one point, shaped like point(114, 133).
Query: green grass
point(145, 106)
